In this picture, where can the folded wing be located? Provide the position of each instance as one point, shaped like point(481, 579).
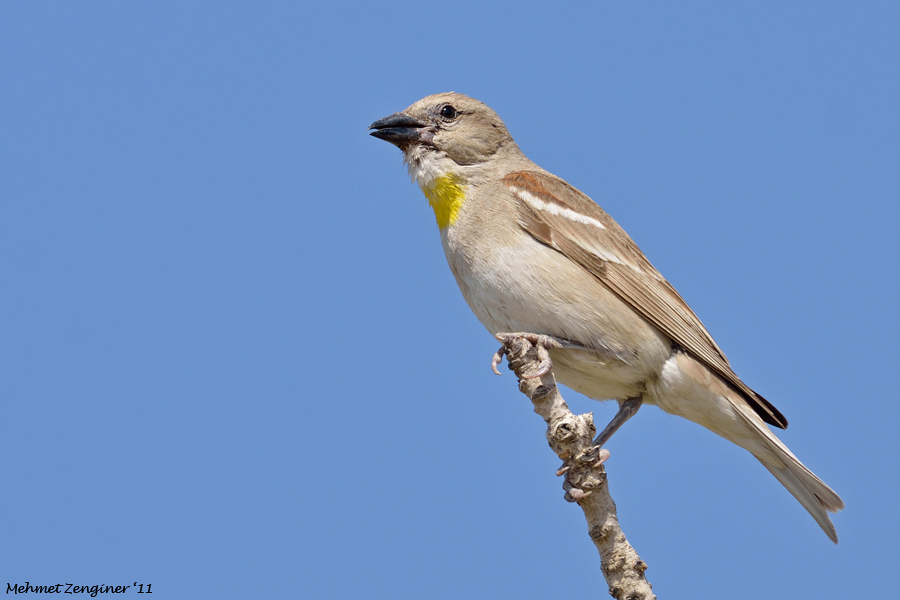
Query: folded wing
point(563, 218)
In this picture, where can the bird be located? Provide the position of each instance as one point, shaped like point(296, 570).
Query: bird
point(531, 253)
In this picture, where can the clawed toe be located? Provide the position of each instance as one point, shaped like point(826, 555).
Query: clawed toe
point(497, 359)
point(544, 364)
point(577, 494)
point(602, 457)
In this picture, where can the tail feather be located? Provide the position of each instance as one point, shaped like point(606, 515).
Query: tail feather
point(689, 389)
point(810, 500)
point(815, 496)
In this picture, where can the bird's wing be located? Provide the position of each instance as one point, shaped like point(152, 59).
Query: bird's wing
point(563, 218)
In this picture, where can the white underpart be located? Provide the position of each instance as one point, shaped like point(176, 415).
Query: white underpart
point(426, 165)
point(555, 209)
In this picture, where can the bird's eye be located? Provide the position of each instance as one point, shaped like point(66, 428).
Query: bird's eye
point(448, 112)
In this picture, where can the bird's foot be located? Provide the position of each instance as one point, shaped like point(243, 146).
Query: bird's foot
point(583, 473)
point(514, 345)
point(602, 457)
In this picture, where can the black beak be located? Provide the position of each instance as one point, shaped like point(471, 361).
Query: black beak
point(398, 129)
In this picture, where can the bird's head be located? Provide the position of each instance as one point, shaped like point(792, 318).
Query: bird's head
point(443, 134)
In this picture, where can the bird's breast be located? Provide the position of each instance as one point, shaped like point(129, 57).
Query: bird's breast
point(514, 284)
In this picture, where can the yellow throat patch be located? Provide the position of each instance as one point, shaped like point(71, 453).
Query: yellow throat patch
point(446, 195)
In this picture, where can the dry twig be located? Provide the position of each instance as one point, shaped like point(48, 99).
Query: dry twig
point(571, 437)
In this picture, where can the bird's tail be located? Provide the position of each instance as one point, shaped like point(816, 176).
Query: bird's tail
point(690, 389)
point(809, 490)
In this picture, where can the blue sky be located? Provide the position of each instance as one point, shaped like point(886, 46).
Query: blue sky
point(234, 363)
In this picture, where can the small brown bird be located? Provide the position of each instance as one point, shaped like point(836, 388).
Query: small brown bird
point(533, 254)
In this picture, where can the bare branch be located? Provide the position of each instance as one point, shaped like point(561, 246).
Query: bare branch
point(571, 437)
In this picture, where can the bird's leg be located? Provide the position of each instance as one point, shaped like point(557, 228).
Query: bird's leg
point(627, 409)
point(512, 347)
